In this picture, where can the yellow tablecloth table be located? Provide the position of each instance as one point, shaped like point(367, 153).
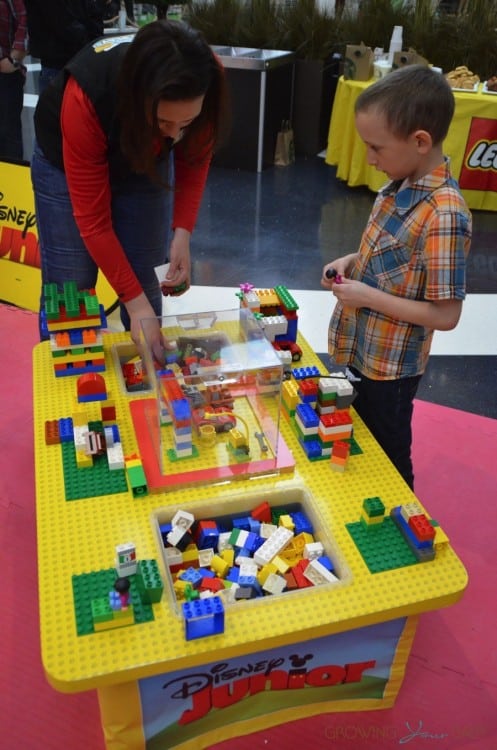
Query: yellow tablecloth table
point(471, 144)
point(296, 654)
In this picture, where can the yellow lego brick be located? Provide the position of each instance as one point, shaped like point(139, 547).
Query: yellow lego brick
point(267, 298)
point(286, 521)
point(228, 556)
point(219, 566)
point(122, 618)
point(83, 460)
point(266, 571)
point(71, 325)
point(371, 520)
point(190, 554)
point(131, 462)
point(281, 564)
point(302, 539)
point(440, 537)
point(79, 417)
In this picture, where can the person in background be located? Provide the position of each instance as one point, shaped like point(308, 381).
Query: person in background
point(60, 28)
point(107, 130)
point(13, 47)
point(409, 276)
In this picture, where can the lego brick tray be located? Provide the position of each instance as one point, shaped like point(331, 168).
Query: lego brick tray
point(80, 536)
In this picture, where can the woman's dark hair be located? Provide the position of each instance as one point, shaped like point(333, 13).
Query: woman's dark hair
point(168, 60)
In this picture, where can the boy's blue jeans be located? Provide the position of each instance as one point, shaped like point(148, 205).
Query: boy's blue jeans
point(141, 218)
point(386, 407)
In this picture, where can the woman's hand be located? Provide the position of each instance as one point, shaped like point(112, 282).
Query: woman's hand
point(179, 260)
point(145, 328)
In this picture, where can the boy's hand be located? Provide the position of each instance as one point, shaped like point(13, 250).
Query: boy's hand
point(333, 273)
point(352, 293)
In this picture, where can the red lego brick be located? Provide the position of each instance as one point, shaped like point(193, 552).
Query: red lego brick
point(421, 528)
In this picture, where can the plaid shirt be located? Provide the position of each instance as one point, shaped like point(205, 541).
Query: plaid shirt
point(415, 246)
point(13, 30)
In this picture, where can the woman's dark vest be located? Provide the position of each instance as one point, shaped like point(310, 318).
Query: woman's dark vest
point(96, 69)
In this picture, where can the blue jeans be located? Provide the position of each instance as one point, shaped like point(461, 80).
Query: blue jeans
point(141, 217)
point(386, 406)
point(11, 104)
point(46, 76)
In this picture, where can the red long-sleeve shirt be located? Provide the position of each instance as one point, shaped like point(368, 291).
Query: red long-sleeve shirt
point(87, 172)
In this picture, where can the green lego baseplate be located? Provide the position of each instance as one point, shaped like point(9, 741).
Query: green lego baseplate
point(90, 481)
point(145, 587)
point(382, 547)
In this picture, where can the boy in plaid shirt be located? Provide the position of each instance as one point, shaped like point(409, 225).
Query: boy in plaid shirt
point(409, 276)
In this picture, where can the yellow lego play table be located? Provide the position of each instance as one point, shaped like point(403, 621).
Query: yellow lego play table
point(342, 646)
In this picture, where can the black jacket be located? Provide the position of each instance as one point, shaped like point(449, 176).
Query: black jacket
point(60, 28)
point(96, 69)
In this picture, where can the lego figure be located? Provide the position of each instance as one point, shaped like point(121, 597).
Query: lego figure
point(122, 586)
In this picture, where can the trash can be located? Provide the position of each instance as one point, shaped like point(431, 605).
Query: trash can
point(260, 83)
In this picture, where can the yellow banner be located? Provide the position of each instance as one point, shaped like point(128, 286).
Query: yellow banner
point(20, 278)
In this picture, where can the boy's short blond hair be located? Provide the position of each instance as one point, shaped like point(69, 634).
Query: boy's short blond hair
point(411, 98)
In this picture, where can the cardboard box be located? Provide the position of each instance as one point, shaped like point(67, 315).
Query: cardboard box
point(358, 64)
point(407, 57)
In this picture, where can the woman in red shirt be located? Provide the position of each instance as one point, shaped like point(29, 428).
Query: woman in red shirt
point(107, 130)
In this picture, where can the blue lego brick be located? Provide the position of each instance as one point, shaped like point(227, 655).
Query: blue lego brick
point(311, 448)
point(255, 525)
point(78, 370)
point(396, 514)
point(301, 373)
point(242, 523)
point(307, 415)
point(181, 409)
point(192, 576)
point(206, 573)
point(92, 397)
point(291, 331)
point(423, 551)
point(326, 563)
point(66, 431)
point(233, 575)
point(302, 523)
point(203, 617)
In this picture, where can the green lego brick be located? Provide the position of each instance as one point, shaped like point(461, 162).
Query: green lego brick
point(173, 456)
point(373, 506)
point(91, 481)
point(101, 611)
point(71, 299)
point(137, 480)
point(149, 582)
point(88, 587)
point(384, 549)
point(91, 304)
point(286, 298)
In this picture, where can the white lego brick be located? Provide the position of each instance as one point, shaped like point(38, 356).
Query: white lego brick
point(317, 574)
point(115, 457)
point(224, 541)
point(248, 569)
point(204, 557)
point(267, 529)
point(183, 519)
point(313, 550)
point(80, 433)
point(172, 556)
point(273, 545)
point(274, 584)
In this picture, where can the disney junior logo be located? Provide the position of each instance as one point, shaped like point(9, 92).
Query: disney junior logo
point(419, 733)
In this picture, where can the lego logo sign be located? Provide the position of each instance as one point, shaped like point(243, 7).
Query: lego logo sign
point(479, 168)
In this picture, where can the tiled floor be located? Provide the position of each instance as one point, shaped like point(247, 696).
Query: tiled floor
point(280, 226)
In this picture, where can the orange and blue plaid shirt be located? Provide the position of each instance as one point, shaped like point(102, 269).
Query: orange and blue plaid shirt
point(415, 246)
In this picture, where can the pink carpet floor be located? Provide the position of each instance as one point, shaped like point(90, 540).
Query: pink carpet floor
point(449, 695)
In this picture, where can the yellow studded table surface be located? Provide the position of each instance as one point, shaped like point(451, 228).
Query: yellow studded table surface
point(80, 536)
